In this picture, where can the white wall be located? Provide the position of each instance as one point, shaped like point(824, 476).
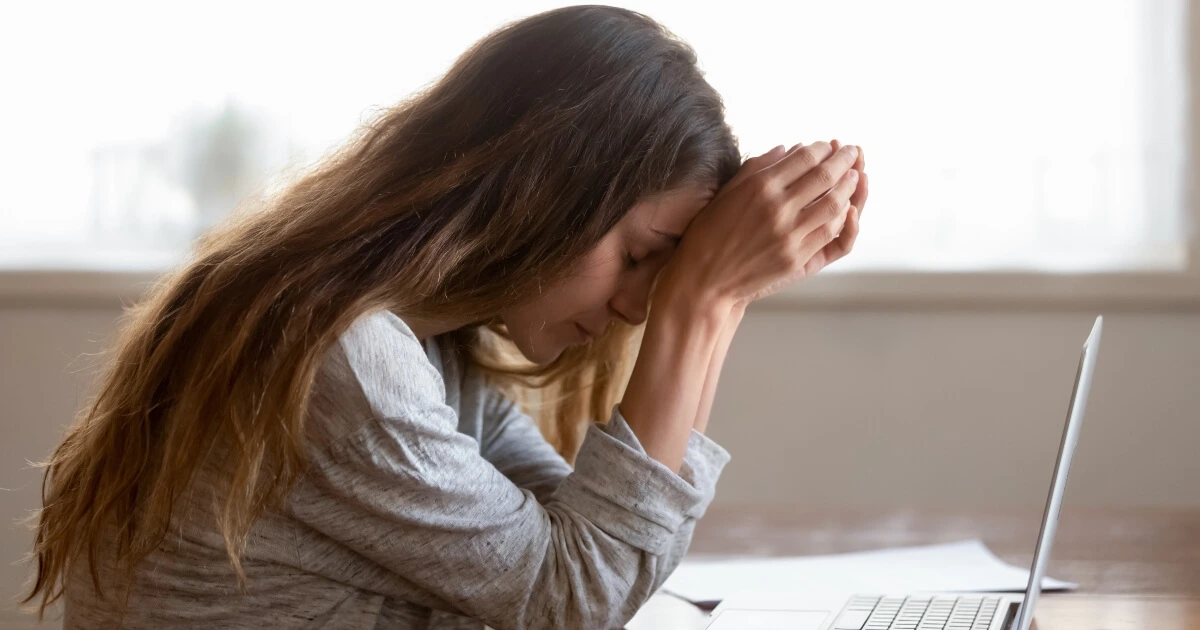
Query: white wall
point(817, 407)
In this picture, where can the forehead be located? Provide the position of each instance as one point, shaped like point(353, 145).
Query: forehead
point(670, 211)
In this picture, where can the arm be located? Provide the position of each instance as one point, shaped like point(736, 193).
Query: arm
point(701, 467)
point(663, 398)
point(695, 469)
point(513, 444)
point(757, 235)
point(714, 365)
point(410, 494)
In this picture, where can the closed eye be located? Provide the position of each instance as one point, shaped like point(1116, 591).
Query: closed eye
point(674, 238)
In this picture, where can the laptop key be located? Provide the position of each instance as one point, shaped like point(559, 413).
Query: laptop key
point(851, 620)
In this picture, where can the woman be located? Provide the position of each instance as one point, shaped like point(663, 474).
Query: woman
point(306, 425)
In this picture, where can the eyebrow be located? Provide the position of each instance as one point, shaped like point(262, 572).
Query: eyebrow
point(672, 237)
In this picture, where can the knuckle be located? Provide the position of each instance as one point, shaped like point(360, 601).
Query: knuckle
point(824, 177)
point(792, 244)
point(832, 206)
point(807, 157)
point(791, 259)
point(765, 189)
point(773, 205)
point(828, 231)
point(781, 226)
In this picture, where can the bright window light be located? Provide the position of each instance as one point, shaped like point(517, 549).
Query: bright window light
point(1034, 136)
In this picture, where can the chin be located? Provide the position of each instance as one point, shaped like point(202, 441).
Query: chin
point(544, 353)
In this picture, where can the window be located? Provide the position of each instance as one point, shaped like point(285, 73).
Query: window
point(1028, 136)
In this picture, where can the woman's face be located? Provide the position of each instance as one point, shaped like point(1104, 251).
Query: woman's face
point(605, 285)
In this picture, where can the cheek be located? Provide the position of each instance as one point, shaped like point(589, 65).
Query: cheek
point(598, 274)
point(549, 318)
point(533, 329)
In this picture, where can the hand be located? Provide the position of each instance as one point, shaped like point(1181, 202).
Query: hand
point(845, 241)
point(762, 229)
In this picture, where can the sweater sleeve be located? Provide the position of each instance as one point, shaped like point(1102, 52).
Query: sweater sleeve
point(512, 442)
point(409, 492)
point(702, 464)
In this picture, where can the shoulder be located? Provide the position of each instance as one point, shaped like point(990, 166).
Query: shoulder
point(381, 336)
point(376, 369)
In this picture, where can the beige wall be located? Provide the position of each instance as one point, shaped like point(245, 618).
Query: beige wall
point(818, 407)
point(957, 408)
point(40, 389)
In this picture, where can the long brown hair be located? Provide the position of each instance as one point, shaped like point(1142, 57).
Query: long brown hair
point(464, 199)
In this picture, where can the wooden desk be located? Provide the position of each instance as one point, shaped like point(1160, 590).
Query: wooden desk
point(1136, 568)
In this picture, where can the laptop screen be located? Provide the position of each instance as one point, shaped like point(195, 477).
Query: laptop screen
point(1079, 396)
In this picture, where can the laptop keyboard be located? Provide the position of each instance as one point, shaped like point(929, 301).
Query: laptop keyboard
point(965, 612)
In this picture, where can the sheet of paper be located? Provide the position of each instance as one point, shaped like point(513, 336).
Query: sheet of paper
point(960, 566)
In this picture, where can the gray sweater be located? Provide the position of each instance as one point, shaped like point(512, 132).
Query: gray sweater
point(431, 501)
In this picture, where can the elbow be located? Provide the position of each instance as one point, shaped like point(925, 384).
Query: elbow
point(585, 595)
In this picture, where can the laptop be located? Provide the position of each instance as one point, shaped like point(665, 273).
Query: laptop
point(930, 611)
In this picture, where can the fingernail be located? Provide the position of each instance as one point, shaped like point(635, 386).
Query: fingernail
point(778, 149)
point(853, 174)
point(853, 150)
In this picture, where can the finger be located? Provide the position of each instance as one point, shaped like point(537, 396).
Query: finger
point(812, 247)
point(859, 198)
point(836, 248)
point(859, 164)
point(824, 176)
point(801, 160)
point(815, 264)
point(830, 207)
point(842, 245)
point(755, 164)
point(860, 195)
point(778, 150)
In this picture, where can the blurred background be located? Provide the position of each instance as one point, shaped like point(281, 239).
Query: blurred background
point(1032, 165)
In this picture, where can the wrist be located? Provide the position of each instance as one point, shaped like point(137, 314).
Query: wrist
point(691, 311)
point(675, 293)
point(737, 311)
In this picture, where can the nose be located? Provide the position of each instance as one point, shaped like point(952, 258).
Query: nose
point(630, 302)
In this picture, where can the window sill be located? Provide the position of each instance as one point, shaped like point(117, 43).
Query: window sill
point(828, 291)
point(1151, 291)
